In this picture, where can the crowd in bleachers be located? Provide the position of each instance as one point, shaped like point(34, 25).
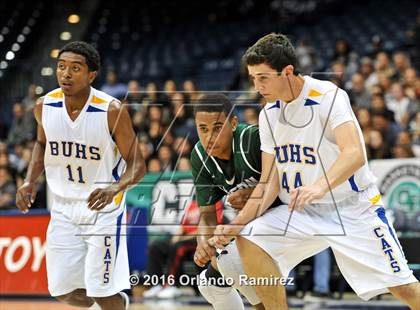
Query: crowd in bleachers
point(384, 90)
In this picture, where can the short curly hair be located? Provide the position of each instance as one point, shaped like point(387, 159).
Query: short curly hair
point(275, 50)
point(85, 49)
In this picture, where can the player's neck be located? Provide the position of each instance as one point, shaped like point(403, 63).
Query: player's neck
point(226, 154)
point(78, 100)
point(296, 86)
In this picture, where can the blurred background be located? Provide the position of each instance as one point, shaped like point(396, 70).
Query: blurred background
point(158, 57)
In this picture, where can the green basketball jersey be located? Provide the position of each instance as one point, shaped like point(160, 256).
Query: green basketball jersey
point(214, 178)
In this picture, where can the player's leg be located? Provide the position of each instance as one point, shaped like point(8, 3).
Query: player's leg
point(272, 245)
point(230, 266)
point(65, 256)
point(114, 302)
point(370, 256)
point(272, 296)
point(408, 293)
point(221, 297)
point(106, 264)
point(76, 298)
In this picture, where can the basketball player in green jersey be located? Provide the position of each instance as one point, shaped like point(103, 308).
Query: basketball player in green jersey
point(225, 162)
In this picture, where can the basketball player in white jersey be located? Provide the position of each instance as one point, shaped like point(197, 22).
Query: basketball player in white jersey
point(323, 175)
point(87, 145)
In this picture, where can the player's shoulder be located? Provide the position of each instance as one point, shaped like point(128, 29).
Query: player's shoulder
point(247, 131)
point(100, 97)
point(321, 89)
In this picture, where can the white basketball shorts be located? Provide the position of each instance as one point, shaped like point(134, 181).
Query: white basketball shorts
point(362, 239)
point(87, 249)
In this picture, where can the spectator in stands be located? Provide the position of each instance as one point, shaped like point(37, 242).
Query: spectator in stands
point(190, 92)
point(7, 189)
point(154, 165)
point(30, 98)
point(344, 54)
point(398, 103)
point(403, 147)
point(154, 97)
point(184, 164)
point(365, 122)
point(383, 65)
point(410, 77)
point(384, 81)
point(308, 60)
point(22, 128)
point(134, 96)
point(182, 146)
point(140, 121)
point(165, 155)
point(145, 147)
point(377, 147)
point(359, 95)
point(183, 125)
point(401, 63)
point(169, 88)
point(155, 134)
point(157, 113)
point(250, 115)
point(402, 151)
point(382, 122)
point(367, 70)
point(113, 87)
point(339, 75)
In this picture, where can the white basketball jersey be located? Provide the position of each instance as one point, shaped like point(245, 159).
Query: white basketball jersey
point(303, 139)
point(80, 155)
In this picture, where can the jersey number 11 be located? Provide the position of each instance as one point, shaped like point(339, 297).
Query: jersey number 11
point(79, 170)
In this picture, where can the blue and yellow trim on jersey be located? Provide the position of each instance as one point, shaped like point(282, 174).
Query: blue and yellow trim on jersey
point(313, 97)
point(95, 104)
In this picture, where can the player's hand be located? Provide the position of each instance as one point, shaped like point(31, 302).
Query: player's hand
point(239, 198)
point(301, 196)
point(25, 196)
point(101, 197)
point(224, 234)
point(203, 253)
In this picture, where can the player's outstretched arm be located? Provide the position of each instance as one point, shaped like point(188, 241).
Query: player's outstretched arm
point(25, 195)
point(351, 159)
point(121, 127)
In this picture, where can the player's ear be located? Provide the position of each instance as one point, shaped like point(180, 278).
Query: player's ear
point(92, 76)
point(234, 122)
point(288, 70)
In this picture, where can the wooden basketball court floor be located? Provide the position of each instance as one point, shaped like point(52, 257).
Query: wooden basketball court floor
point(349, 303)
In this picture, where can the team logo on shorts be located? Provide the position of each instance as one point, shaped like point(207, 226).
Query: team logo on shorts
point(387, 249)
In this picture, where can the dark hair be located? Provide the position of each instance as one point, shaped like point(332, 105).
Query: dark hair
point(214, 102)
point(90, 53)
point(274, 50)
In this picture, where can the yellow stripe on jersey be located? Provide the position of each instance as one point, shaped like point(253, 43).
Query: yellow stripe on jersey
point(118, 198)
point(375, 199)
point(57, 94)
point(98, 100)
point(314, 93)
